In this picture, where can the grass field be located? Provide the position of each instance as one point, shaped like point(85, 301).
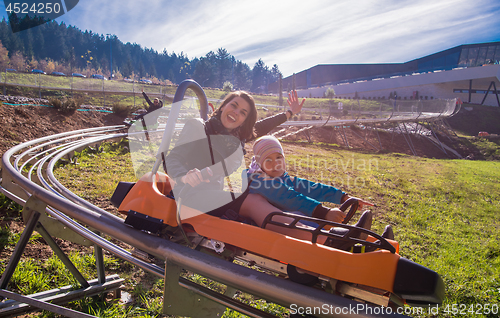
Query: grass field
point(445, 214)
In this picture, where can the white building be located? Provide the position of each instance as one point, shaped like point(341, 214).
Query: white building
point(469, 72)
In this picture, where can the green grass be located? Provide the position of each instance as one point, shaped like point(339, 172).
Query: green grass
point(486, 148)
point(445, 213)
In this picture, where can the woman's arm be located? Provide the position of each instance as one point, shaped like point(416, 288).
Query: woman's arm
point(190, 150)
point(264, 126)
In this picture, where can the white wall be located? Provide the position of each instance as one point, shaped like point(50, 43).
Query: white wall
point(437, 85)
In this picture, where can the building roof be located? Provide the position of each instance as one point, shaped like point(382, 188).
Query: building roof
point(467, 55)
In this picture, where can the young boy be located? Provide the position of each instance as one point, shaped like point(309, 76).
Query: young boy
point(268, 177)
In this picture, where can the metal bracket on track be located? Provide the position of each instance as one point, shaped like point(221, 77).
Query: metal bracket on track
point(35, 218)
point(182, 297)
point(53, 226)
point(365, 139)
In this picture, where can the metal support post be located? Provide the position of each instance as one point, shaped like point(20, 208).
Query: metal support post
point(183, 297)
point(64, 259)
point(308, 135)
point(379, 141)
point(99, 263)
point(344, 136)
point(178, 300)
point(409, 142)
point(18, 251)
point(438, 141)
point(366, 140)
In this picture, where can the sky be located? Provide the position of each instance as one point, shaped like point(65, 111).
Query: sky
point(295, 35)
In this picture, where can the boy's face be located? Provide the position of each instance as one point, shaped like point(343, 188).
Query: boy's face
point(274, 165)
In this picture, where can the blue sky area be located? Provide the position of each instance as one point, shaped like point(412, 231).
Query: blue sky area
point(295, 35)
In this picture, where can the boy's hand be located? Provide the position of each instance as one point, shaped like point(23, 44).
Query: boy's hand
point(362, 202)
point(335, 215)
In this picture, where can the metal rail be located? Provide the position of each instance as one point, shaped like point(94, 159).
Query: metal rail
point(449, 109)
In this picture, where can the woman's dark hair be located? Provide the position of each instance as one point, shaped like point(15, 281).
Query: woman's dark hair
point(246, 130)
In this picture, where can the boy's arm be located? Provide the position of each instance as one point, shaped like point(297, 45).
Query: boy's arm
point(318, 191)
point(282, 196)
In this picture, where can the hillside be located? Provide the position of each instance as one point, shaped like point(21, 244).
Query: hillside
point(474, 118)
point(23, 123)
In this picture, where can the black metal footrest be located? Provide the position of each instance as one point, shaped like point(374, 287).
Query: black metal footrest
point(381, 242)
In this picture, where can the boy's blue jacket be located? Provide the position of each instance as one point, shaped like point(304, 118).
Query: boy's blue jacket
point(298, 195)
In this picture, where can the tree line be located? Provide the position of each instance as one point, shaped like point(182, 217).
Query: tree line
point(57, 47)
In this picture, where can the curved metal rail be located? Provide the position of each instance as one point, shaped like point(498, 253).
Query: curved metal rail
point(414, 111)
point(84, 218)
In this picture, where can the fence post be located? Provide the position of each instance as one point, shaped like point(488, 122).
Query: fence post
point(103, 94)
point(39, 87)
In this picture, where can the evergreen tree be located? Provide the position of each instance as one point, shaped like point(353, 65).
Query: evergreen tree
point(72, 50)
point(259, 73)
point(4, 58)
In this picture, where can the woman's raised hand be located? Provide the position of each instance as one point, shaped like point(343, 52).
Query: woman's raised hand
point(293, 102)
